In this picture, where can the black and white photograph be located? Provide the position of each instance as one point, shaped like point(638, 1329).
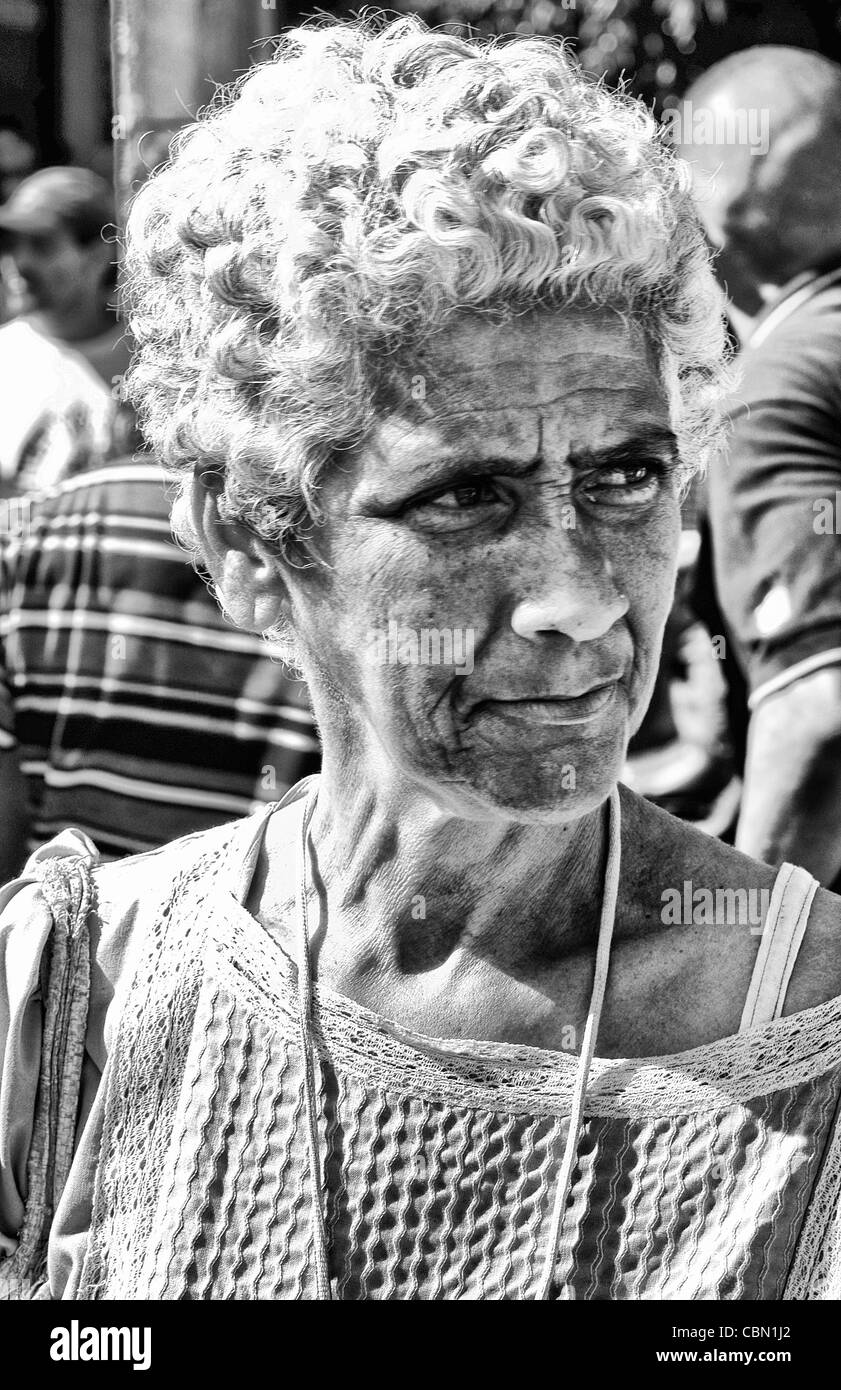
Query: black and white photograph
point(420, 667)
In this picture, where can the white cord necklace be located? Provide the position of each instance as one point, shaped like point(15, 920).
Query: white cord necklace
point(608, 915)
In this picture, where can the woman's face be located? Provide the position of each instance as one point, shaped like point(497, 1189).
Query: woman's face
point(501, 556)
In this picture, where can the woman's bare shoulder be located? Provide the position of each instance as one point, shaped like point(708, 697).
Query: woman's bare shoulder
point(690, 915)
point(719, 898)
point(817, 972)
point(662, 854)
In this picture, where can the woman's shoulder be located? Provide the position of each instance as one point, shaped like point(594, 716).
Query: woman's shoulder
point(140, 876)
point(716, 904)
point(816, 976)
point(126, 898)
point(663, 853)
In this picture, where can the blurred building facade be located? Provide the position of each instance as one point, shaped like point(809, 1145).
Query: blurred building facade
point(56, 71)
point(56, 78)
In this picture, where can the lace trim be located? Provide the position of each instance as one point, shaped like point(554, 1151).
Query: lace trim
point(155, 1023)
point(520, 1079)
point(816, 1269)
point(199, 935)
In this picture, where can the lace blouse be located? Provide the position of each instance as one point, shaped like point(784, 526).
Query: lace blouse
point(713, 1173)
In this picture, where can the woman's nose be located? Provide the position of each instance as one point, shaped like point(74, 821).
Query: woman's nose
point(582, 606)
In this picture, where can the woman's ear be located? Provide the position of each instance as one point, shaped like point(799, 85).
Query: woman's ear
point(246, 570)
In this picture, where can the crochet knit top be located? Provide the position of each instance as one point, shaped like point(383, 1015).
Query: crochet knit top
point(712, 1174)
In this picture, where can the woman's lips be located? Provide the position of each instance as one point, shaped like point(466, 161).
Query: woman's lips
point(571, 709)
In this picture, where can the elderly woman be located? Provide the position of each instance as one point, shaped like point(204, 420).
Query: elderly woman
point(428, 331)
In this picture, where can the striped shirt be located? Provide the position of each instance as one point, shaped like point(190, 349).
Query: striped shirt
point(140, 713)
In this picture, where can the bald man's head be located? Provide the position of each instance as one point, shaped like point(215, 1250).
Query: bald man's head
point(762, 133)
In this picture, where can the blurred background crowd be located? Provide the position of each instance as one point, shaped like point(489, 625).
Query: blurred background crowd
point(129, 706)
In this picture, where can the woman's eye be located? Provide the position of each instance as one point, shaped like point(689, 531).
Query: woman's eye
point(626, 485)
point(460, 504)
point(463, 496)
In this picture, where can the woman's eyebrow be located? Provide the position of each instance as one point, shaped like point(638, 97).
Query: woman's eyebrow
point(481, 466)
point(430, 472)
point(464, 463)
point(660, 443)
point(433, 475)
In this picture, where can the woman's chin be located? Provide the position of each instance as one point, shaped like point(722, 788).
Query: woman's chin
point(537, 790)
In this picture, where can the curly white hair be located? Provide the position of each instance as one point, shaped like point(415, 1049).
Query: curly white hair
point(345, 199)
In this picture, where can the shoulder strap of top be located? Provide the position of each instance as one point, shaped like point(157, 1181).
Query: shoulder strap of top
point(782, 934)
point(247, 840)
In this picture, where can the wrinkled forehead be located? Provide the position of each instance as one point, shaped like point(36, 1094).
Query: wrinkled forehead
point(563, 371)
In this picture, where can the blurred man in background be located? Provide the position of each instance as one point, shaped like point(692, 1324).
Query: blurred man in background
point(772, 207)
point(131, 706)
point(62, 358)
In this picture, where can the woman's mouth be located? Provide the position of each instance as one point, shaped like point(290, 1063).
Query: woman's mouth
point(554, 709)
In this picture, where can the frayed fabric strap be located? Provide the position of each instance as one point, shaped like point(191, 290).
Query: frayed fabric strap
point(610, 894)
point(322, 1266)
point(67, 889)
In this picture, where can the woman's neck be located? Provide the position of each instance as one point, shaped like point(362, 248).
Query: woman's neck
point(408, 882)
